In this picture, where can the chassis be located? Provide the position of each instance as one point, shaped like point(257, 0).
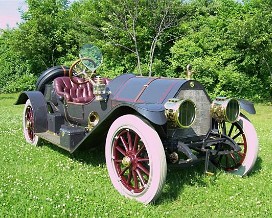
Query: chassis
point(145, 123)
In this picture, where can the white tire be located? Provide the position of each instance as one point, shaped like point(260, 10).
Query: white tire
point(135, 159)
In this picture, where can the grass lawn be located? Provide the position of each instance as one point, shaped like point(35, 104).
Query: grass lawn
point(49, 182)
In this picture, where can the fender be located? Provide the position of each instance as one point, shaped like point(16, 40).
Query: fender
point(39, 108)
point(247, 106)
point(152, 112)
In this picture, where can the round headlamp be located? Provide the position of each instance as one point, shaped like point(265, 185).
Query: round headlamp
point(223, 109)
point(180, 112)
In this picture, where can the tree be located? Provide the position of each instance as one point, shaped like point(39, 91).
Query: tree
point(134, 26)
point(223, 43)
point(228, 43)
point(45, 38)
point(46, 35)
point(15, 72)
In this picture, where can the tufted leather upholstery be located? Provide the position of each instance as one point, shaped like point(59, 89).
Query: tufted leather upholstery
point(72, 92)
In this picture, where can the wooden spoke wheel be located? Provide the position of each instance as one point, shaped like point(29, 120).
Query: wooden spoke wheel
point(29, 124)
point(135, 159)
point(241, 163)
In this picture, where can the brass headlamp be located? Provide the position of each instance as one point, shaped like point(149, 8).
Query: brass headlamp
point(223, 109)
point(180, 112)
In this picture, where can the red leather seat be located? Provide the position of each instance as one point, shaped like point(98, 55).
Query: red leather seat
point(73, 92)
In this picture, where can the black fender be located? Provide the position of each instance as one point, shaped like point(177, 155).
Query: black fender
point(39, 106)
point(49, 75)
point(153, 113)
point(247, 106)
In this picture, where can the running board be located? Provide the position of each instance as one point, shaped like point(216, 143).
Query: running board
point(68, 139)
point(52, 138)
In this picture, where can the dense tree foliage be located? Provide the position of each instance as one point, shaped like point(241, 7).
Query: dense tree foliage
point(228, 43)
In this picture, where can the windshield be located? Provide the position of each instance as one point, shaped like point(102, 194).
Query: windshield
point(91, 52)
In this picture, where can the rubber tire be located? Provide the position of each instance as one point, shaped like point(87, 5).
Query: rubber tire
point(49, 75)
point(36, 140)
point(156, 154)
point(252, 148)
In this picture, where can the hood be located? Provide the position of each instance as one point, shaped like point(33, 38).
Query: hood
point(148, 90)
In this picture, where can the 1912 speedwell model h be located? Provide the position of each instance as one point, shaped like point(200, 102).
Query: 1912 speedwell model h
point(146, 123)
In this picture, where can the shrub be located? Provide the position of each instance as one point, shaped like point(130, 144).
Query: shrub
point(20, 83)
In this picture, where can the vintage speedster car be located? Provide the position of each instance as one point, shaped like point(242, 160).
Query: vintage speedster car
point(146, 123)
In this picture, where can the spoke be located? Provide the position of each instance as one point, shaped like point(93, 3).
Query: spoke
point(234, 159)
point(242, 155)
point(31, 135)
point(141, 167)
point(140, 150)
point(140, 177)
point(129, 176)
point(117, 161)
point(143, 159)
point(28, 114)
point(231, 129)
point(134, 174)
point(123, 171)
point(121, 150)
point(238, 134)
point(136, 142)
point(124, 143)
point(130, 146)
point(224, 128)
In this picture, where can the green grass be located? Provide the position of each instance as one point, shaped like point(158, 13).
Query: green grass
point(48, 182)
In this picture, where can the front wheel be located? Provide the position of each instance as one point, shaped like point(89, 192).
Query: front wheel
point(135, 159)
point(240, 163)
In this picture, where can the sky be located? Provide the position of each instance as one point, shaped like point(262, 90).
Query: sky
point(9, 12)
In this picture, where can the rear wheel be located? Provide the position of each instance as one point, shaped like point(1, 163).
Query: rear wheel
point(29, 124)
point(135, 159)
point(49, 75)
point(240, 163)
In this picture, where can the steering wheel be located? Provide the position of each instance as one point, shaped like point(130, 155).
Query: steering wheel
point(79, 69)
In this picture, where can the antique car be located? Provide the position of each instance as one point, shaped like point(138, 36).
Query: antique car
point(145, 123)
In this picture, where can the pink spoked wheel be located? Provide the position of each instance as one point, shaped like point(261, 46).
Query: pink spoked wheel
point(135, 159)
point(240, 163)
point(29, 124)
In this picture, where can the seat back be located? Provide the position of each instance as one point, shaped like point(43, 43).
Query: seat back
point(73, 92)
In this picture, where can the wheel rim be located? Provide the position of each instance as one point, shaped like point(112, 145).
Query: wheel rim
point(131, 161)
point(29, 123)
point(233, 160)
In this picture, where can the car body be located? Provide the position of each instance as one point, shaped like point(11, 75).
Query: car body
point(145, 123)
